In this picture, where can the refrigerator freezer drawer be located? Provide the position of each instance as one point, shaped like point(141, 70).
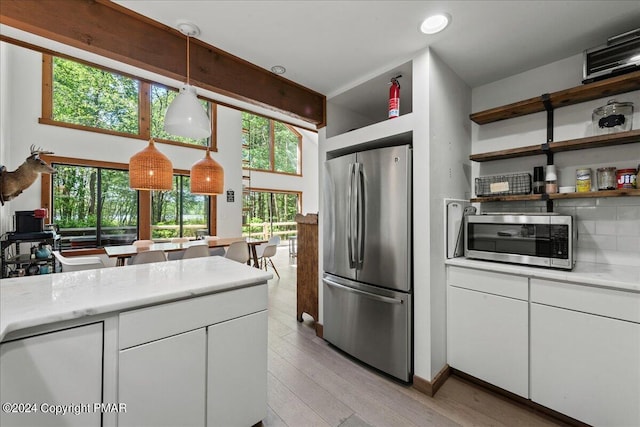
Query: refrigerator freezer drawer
point(372, 327)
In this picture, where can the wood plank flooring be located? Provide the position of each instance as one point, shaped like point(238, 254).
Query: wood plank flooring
point(313, 384)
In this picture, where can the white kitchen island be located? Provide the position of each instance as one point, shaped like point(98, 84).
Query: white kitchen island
point(173, 343)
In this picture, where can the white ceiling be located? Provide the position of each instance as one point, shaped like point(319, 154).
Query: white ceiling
point(326, 45)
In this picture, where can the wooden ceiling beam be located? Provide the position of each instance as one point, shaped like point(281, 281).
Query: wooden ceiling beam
point(112, 31)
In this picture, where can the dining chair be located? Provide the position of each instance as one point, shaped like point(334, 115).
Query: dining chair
point(273, 240)
point(268, 252)
point(217, 252)
point(196, 251)
point(78, 263)
point(238, 251)
point(174, 255)
point(148, 257)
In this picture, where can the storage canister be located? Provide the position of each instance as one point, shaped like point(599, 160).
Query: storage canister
point(607, 178)
point(613, 117)
point(626, 178)
point(583, 180)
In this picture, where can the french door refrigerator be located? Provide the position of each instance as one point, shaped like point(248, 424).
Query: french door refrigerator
point(367, 280)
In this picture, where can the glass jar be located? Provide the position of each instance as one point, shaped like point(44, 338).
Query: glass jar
point(613, 117)
point(607, 178)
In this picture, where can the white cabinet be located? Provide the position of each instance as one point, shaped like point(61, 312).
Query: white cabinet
point(195, 362)
point(58, 368)
point(163, 382)
point(237, 371)
point(487, 333)
point(584, 364)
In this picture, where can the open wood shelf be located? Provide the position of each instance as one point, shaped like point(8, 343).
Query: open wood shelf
point(587, 92)
point(560, 146)
point(535, 197)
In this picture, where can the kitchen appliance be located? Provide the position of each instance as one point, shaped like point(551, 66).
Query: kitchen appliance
point(537, 239)
point(620, 55)
point(29, 221)
point(367, 280)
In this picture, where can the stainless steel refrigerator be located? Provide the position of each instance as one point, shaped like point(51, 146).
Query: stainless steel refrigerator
point(367, 246)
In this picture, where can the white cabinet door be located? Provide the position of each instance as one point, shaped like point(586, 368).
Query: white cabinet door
point(487, 337)
point(163, 382)
point(586, 366)
point(58, 368)
point(237, 372)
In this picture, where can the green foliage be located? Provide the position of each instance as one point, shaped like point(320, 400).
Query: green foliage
point(93, 97)
point(259, 143)
point(78, 205)
point(178, 208)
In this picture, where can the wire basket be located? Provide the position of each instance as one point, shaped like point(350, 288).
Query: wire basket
point(501, 185)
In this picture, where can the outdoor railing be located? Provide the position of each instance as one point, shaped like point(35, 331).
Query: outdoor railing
point(264, 230)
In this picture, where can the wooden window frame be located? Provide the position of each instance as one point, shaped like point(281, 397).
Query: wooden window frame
point(144, 197)
point(144, 106)
point(272, 147)
point(275, 190)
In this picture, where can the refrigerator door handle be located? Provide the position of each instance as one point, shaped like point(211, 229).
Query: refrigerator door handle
point(350, 239)
point(363, 293)
point(361, 214)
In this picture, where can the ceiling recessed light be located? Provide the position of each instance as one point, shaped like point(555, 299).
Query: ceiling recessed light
point(435, 23)
point(278, 69)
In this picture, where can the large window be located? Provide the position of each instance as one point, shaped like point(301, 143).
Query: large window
point(93, 206)
point(88, 97)
point(92, 97)
point(178, 213)
point(270, 145)
point(270, 212)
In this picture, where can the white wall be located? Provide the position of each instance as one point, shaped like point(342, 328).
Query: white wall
point(5, 124)
point(19, 128)
point(449, 177)
point(609, 228)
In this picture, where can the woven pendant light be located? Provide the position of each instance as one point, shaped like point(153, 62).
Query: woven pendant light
point(149, 169)
point(207, 176)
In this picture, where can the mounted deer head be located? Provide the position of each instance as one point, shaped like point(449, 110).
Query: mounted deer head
point(14, 183)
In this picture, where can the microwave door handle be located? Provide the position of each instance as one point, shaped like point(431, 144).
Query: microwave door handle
point(361, 216)
point(350, 248)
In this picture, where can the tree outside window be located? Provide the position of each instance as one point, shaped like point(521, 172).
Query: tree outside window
point(271, 213)
point(93, 206)
point(100, 100)
point(270, 145)
point(93, 97)
point(178, 213)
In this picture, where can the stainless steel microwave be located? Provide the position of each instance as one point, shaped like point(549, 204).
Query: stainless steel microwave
point(545, 240)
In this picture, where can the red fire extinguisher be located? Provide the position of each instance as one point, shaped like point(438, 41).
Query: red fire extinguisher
point(394, 98)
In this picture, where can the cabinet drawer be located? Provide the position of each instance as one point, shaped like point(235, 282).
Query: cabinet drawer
point(604, 302)
point(506, 285)
point(152, 323)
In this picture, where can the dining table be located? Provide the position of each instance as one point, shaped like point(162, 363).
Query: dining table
point(122, 252)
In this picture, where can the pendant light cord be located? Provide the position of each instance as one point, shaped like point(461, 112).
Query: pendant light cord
point(188, 59)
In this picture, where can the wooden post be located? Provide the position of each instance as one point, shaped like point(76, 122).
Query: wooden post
point(307, 287)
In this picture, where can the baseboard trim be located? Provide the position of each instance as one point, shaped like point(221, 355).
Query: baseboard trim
point(527, 403)
point(319, 330)
point(430, 388)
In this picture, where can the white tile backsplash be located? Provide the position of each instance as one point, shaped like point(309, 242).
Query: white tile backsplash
point(608, 228)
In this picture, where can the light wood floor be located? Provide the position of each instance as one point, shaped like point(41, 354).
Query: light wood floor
point(313, 384)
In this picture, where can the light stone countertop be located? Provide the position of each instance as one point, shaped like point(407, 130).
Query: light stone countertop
point(41, 300)
point(618, 277)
